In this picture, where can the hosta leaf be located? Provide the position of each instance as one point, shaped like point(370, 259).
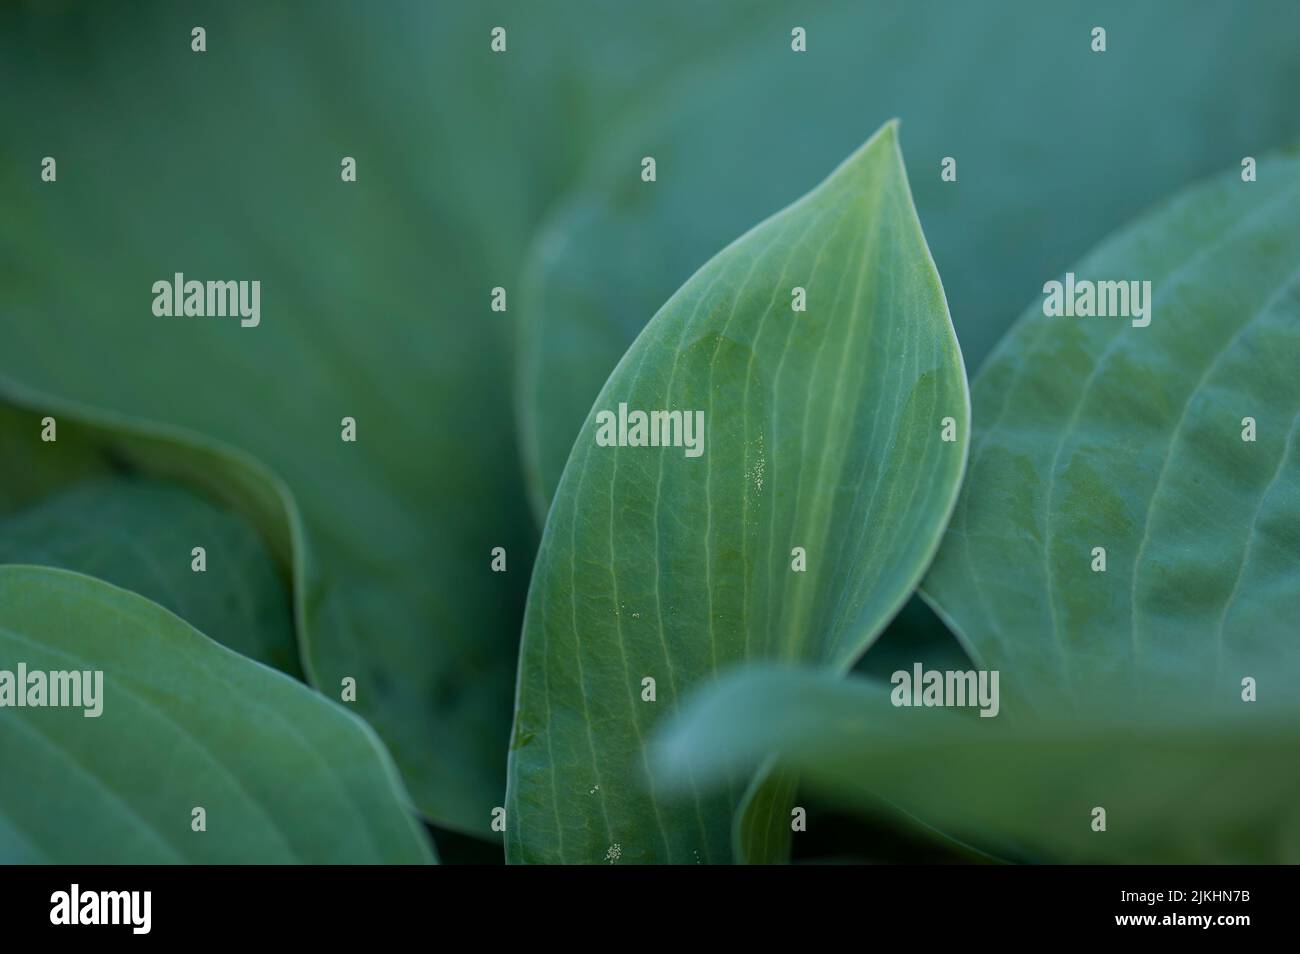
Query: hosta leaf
point(139, 535)
point(760, 828)
point(1217, 783)
point(1093, 433)
point(282, 774)
point(822, 430)
point(736, 135)
point(129, 503)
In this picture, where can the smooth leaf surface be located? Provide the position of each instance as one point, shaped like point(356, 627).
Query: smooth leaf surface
point(284, 775)
point(822, 430)
point(1091, 432)
point(128, 502)
point(1218, 783)
point(1055, 147)
point(139, 535)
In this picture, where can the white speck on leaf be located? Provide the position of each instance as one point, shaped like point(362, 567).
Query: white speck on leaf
point(759, 470)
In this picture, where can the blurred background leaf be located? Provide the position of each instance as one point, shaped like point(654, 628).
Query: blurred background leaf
point(282, 774)
point(1218, 782)
point(128, 503)
point(761, 832)
point(139, 534)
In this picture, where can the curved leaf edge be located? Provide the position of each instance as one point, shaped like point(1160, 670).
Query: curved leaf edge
point(392, 775)
point(262, 496)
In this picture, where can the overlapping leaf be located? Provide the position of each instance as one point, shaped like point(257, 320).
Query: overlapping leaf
point(281, 774)
point(761, 832)
point(1216, 783)
point(129, 503)
point(822, 430)
point(140, 534)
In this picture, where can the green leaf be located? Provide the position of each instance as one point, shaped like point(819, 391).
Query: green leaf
point(91, 444)
point(282, 774)
point(822, 430)
point(760, 828)
point(1094, 433)
point(735, 135)
point(1218, 782)
point(128, 502)
point(139, 535)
